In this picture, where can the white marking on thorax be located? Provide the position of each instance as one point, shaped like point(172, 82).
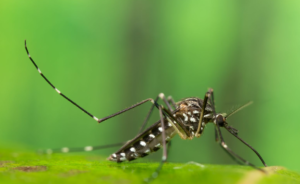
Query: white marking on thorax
point(157, 145)
point(114, 155)
point(143, 143)
point(185, 117)
point(65, 150)
point(147, 151)
point(160, 129)
point(88, 148)
point(195, 112)
point(193, 119)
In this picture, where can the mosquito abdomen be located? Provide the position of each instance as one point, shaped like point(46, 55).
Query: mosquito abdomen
point(143, 146)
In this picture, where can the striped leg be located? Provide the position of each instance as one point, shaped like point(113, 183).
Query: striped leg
point(79, 149)
point(55, 87)
point(93, 148)
point(90, 148)
point(168, 113)
point(87, 148)
point(94, 117)
point(108, 117)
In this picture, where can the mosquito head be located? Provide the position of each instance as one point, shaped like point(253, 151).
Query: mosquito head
point(221, 121)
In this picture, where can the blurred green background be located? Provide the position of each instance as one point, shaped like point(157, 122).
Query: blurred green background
point(108, 55)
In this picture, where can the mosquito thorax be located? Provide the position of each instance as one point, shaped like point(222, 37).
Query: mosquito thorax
point(188, 112)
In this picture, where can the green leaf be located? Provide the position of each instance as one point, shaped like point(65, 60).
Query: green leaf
point(28, 167)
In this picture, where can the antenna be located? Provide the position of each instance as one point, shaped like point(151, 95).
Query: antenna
point(238, 109)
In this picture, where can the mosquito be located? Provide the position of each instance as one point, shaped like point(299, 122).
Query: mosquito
point(187, 118)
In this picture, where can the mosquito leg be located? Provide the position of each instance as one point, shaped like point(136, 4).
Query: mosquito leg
point(127, 109)
point(217, 140)
point(55, 87)
point(207, 95)
point(79, 149)
point(161, 96)
point(165, 153)
point(71, 101)
point(227, 149)
point(212, 100)
point(148, 116)
point(89, 148)
point(261, 159)
point(237, 158)
point(234, 132)
point(216, 135)
point(171, 101)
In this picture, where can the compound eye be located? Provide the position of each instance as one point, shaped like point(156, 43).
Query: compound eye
point(220, 120)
